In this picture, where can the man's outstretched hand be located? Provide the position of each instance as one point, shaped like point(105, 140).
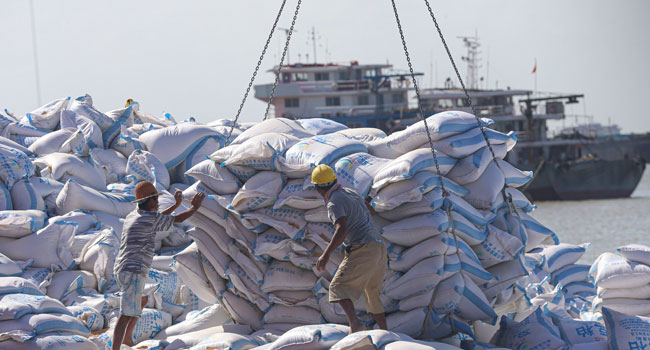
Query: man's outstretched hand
point(178, 197)
point(197, 200)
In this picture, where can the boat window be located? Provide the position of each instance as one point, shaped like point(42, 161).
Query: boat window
point(300, 77)
point(354, 124)
point(322, 76)
point(286, 77)
point(461, 102)
point(291, 102)
point(445, 103)
point(397, 98)
point(370, 73)
point(357, 74)
point(332, 101)
point(363, 100)
point(344, 75)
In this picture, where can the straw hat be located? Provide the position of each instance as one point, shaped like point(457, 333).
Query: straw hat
point(145, 190)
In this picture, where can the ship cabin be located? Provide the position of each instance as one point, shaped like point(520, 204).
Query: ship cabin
point(358, 95)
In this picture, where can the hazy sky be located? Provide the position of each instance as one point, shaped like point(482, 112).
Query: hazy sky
point(195, 58)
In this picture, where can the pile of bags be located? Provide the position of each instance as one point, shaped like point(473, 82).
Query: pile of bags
point(240, 273)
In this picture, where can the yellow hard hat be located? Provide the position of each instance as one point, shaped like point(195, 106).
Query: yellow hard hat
point(322, 175)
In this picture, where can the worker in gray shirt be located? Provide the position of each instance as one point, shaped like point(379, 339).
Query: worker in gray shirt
point(137, 248)
point(363, 267)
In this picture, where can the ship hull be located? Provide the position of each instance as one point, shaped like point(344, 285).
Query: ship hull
point(592, 179)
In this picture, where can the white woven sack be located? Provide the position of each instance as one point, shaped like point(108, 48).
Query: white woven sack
point(44, 186)
point(260, 152)
point(62, 166)
point(418, 279)
point(440, 244)
point(201, 152)
point(227, 341)
point(83, 105)
point(242, 311)
point(294, 195)
point(151, 321)
point(127, 141)
point(91, 131)
point(281, 275)
point(317, 215)
point(211, 250)
point(53, 142)
point(465, 144)
point(25, 197)
point(321, 126)
point(536, 330)
point(274, 244)
point(189, 269)
point(380, 147)
point(441, 125)
point(111, 161)
point(364, 135)
point(52, 242)
point(212, 316)
point(642, 292)
point(295, 314)
point(634, 307)
point(470, 168)
point(14, 165)
point(56, 340)
point(219, 179)
point(636, 252)
point(20, 223)
point(15, 306)
point(145, 166)
point(8, 267)
point(613, 271)
point(31, 325)
point(373, 339)
point(412, 190)
point(357, 171)
point(273, 125)
point(312, 337)
point(92, 318)
point(430, 202)
point(288, 221)
point(123, 116)
point(190, 339)
point(322, 149)
point(624, 330)
point(563, 254)
point(416, 229)
point(47, 116)
point(174, 143)
point(482, 192)
point(498, 246)
point(407, 165)
point(260, 191)
point(418, 345)
point(76, 196)
point(65, 281)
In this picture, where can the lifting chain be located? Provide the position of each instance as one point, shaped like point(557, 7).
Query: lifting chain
point(469, 100)
point(417, 92)
point(259, 62)
point(284, 52)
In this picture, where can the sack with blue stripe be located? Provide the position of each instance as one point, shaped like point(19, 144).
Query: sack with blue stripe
point(173, 144)
point(83, 105)
point(47, 116)
point(63, 167)
point(52, 242)
point(9, 267)
point(409, 164)
point(145, 166)
point(90, 129)
point(357, 171)
point(260, 152)
point(322, 149)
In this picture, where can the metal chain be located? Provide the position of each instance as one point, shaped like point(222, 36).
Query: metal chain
point(469, 100)
point(284, 52)
point(259, 62)
point(417, 92)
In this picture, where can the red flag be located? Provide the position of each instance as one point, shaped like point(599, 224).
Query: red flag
point(534, 69)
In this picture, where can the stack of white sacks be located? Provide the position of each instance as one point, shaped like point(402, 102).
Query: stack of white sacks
point(242, 273)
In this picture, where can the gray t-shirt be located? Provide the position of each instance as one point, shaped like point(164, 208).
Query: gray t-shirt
point(347, 202)
point(138, 240)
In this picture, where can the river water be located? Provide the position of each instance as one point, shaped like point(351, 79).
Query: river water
point(605, 223)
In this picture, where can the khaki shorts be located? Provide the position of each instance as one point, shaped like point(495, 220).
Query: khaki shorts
point(361, 272)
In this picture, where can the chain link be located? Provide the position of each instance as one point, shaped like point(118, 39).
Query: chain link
point(469, 100)
point(259, 63)
point(284, 52)
point(417, 92)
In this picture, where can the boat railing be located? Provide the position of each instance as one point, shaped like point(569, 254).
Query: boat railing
point(333, 111)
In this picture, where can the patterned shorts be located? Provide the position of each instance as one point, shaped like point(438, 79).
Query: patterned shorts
point(131, 287)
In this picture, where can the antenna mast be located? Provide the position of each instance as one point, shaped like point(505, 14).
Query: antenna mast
point(472, 59)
